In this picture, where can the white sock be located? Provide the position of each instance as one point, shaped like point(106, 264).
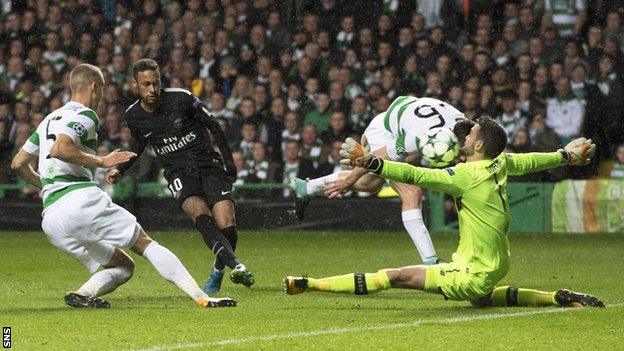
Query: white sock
point(317, 185)
point(105, 281)
point(413, 222)
point(170, 268)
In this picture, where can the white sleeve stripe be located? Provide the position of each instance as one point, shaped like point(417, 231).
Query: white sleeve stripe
point(129, 107)
point(31, 148)
point(180, 90)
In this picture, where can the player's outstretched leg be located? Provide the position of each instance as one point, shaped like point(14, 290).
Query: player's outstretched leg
point(116, 272)
point(172, 270)
point(197, 209)
point(80, 301)
point(224, 215)
point(301, 197)
point(413, 221)
point(513, 296)
point(223, 250)
point(353, 283)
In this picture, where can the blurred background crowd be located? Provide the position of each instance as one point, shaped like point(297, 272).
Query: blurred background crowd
point(290, 80)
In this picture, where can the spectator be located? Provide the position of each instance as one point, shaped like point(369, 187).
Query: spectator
point(319, 116)
point(344, 38)
point(311, 147)
point(241, 168)
point(617, 172)
point(412, 80)
point(610, 93)
point(332, 165)
point(568, 17)
point(337, 98)
point(275, 126)
point(14, 73)
point(338, 129)
point(294, 166)
point(291, 129)
point(216, 105)
point(527, 103)
point(564, 112)
point(260, 169)
point(469, 105)
point(249, 138)
point(543, 139)
point(53, 54)
point(520, 141)
point(277, 36)
point(360, 115)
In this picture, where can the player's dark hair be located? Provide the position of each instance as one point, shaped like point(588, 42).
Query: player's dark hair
point(144, 65)
point(462, 129)
point(493, 136)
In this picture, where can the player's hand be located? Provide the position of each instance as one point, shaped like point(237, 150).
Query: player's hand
point(579, 151)
point(112, 176)
point(117, 157)
point(338, 187)
point(357, 154)
point(231, 172)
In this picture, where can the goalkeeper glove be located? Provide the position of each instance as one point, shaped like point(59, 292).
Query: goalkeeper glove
point(578, 152)
point(359, 156)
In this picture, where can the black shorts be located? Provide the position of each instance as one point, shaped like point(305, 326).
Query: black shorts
point(209, 184)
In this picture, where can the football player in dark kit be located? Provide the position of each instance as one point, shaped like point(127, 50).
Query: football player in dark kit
point(179, 129)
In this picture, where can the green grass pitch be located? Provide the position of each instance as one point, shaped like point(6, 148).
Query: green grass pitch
point(150, 314)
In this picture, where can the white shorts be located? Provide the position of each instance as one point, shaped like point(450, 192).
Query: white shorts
point(376, 134)
point(86, 224)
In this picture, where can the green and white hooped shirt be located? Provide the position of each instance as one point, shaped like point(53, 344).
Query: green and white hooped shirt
point(57, 177)
point(408, 119)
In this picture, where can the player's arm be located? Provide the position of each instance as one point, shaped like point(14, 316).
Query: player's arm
point(136, 147)
point(23, 164)
point(341, 185)
point(201, 113)
point(65, 150)
point(578, 152)
point(402, 147)
point(452, 180)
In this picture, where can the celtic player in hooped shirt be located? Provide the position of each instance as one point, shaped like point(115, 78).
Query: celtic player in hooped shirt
point(482, 258)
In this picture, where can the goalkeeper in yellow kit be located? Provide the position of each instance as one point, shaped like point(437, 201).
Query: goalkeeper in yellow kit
point(482, 258)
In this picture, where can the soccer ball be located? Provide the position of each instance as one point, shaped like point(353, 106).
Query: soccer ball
point(438, 147)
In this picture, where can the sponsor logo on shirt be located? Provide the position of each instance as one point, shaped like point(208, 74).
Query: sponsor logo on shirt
point(196, 102)
point(174, 144)
point(78, 128)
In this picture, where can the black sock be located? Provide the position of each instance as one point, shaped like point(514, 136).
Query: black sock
point(215, 240)
point(232, 237)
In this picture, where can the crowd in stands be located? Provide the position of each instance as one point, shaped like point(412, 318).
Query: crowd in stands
point(289, 80)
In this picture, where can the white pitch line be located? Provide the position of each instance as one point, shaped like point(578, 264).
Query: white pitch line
point(336, 331)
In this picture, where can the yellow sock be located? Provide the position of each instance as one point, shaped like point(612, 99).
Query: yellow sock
point(512, 296)
point(358, 283)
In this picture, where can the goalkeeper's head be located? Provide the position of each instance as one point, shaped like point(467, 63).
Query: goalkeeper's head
point(462, 129)
point(487, 139)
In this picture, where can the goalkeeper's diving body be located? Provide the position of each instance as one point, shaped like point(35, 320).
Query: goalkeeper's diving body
point(482, 258)
point(392, 135)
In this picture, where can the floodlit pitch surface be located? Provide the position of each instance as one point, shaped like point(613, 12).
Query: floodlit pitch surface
point(150, 314)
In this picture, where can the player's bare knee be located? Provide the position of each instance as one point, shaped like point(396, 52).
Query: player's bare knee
point(141, 243)
point(224, 214)
point(410, 196)
point(399, 278)
point(194, 207)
